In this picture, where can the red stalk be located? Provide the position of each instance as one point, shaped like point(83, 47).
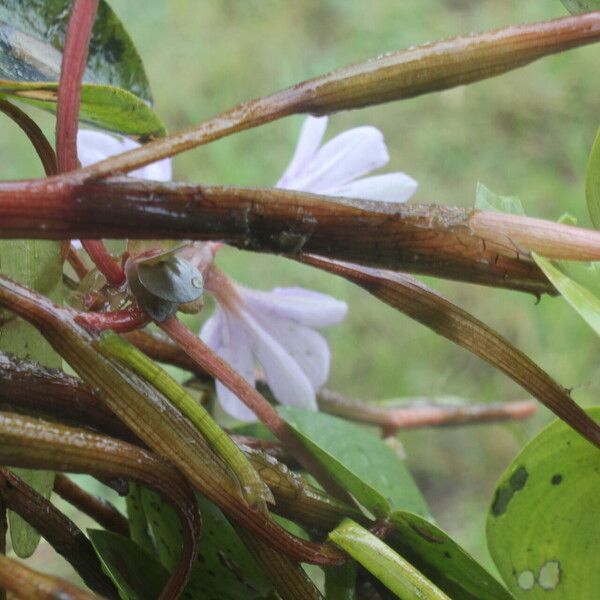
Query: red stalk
point(67, 116)
point(122, 321)
point(215, 366)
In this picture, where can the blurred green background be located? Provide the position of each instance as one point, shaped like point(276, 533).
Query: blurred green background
point(527, 133)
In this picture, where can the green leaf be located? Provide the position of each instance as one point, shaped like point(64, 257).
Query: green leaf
point(138, 522)
point(485, 199)
point(579, 297)
point(442, 560)
point(581, 6)
point(592, 181)
point(33, 35)
point(38, 265)
point(224, 568)
point(137, 575)
point(116, 93)
point(340, 582)
point(544, 524)
point(388, 566)
point(109, 108)
point(359, 461)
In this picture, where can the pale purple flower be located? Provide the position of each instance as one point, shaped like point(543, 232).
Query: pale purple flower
point(275, 329)
point(338, 167)
point(94, 146)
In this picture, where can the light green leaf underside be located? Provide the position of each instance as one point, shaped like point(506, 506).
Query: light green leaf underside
point(579, 297)
point(543, 527)
point(360, 461)
point(106, 107)
point(581, 6)
point(592, 181)
point(485, 199)
point(385, 564)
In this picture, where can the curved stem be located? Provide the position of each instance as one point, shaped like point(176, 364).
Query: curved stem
point(34, 133)
point(60, 532)
point(122, 321)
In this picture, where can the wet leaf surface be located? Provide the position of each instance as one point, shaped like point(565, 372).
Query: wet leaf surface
point(542, 527)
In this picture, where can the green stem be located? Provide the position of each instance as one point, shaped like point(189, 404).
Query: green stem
point(255, 491)
point(388, 566)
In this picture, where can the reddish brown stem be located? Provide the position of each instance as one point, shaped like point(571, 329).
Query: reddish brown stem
point(122, 321)
point(72, 68)
point(59, 531)
point(34, 133)
point(26, 387)
point(24, 582)
point(411, 416)
point(162, 349)
point(76, 262)
point(100, 510)
point(215, 366)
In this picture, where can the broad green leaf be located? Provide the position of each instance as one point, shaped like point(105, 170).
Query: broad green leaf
point(360, 461)
point(442, 560)
point(224, 568)
point(138, 522)
point(579, 297)
point(581, 6)
point(38, 265)
point(592, 181)
point(385, 564)
point(485, 199)
point(340, 582)
point(135, 573)
point(107, 107)
point(115, 95)
point(543, 524)
point(33, 34)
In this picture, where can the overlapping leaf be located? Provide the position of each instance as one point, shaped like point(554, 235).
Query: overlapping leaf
point(358, 460)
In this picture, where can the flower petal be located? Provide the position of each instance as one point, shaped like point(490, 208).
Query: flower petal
point(229, 340)
point(94, 146)
point(346, 157)
point(311, 135)
point(286, 379)
point(391, 187)
point(303, 306)
point(306, 346)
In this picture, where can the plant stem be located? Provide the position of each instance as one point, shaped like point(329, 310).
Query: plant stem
point(74, 59)
point(215, 366)
point(411, 416)
point(34, 133)
point(398, 75)
point(121, 321)
point(104, 513)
